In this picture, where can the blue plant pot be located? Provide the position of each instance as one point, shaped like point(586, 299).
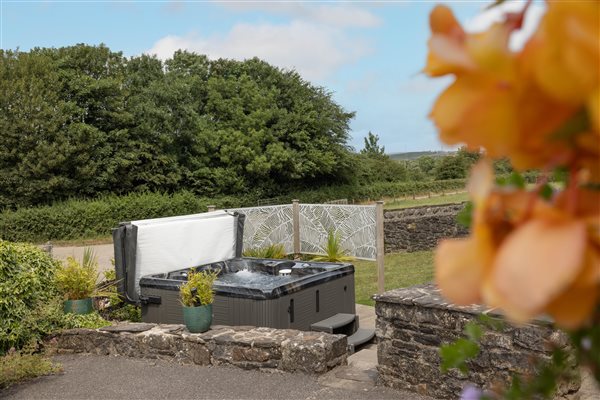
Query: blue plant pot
point(197, 319)
point(83, 306)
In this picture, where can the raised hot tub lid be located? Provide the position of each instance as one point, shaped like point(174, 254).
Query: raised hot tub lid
point(161, 245)
point(254, 278)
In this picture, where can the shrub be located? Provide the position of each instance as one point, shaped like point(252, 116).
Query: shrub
point(117, 309)
point(19, 366)
point(76, 219)
point(26, 283)
point(84, 219)
point(76, 281)
point(334, 251)
point(198, 289)
point(276, 251)
point(29, 302)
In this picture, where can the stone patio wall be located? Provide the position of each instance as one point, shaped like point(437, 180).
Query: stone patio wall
point(243, 347)
point(413, 322)
point(420, 228)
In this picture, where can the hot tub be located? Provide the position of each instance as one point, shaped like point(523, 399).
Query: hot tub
point(153, 258)
point(258, 292)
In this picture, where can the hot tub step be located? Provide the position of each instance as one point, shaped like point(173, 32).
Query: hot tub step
point(361, 336)
point(334, 323)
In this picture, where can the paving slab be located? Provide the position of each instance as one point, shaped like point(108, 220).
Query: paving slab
point(105, 254)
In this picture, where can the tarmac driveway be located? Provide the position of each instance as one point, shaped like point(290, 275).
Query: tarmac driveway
point(106, 377)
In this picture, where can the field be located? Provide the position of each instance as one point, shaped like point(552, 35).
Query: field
point(436, 199)
point(401, 270)
point(413, 155)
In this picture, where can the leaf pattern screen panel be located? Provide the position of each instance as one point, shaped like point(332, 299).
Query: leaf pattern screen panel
point(268, 225)
point(355, 225)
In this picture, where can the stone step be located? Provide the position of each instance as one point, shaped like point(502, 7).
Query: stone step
point(364, 359)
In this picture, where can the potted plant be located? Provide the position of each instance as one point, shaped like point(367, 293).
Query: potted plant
point(197, 297)
point(77, 282)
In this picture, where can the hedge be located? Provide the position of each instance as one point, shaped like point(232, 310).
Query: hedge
point(84, 219)
point(26, 283)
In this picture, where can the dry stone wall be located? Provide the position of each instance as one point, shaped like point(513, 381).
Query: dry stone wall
point(243, 347)
point(420, 228)
point(412, 323)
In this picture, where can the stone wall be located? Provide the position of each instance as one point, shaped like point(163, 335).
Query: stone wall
point(243, 347)
point(420, 228)
point(413, 322)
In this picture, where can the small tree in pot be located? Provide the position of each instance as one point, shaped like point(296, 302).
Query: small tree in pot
point(197, 297)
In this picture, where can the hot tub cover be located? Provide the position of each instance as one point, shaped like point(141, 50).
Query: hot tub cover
point(162, 245)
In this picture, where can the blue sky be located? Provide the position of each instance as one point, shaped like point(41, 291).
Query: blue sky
point(367, 54)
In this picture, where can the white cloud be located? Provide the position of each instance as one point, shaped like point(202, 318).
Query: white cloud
point(421, 84)
point(496, 14)
point(314, 50)
point(339, 16)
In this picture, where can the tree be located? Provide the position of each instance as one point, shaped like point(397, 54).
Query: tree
point(85, 121)
point(372, 147)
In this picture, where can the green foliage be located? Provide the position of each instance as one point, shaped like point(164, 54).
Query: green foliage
point(456, 166)
point(26, 282)
point(29, 301)
point(456, 354)
point(465, 216)
point(125, 312)
point(370, 168)
point(79, 219)
point(514, 179)
point(76, 281)
point(198, 289)
point(334, 251)
point(90, 321)
point(75, 219)
point(549, 373)
point(276, 251)
point(117, 309)
point(586, 342)
point(19, 366)
point(543, 384)
point(372, 147)
point(84, 121)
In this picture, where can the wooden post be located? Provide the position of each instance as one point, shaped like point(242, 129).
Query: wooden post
point(296, 226)
point(380, 247)
point(212, 208)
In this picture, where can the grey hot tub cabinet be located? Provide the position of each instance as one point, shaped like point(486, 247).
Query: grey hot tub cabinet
point(314, 292)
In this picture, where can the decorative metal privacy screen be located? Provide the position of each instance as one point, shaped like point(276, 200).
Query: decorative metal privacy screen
point(354, 225)
point(268, 225)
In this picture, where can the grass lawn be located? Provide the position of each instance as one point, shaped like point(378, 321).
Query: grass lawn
point(401, 270)
point(427, 201)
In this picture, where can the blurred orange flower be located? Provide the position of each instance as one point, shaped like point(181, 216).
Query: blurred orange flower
point(515, 104)
point(525, 255)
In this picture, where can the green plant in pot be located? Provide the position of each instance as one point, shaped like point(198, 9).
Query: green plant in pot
point(77, 282)
point(197, 297)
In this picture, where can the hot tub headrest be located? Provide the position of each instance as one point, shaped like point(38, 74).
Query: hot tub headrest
point(162, 245)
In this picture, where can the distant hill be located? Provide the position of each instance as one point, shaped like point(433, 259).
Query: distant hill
point(411, 155)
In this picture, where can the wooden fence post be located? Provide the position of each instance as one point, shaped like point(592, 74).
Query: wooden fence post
point(380, 247)
point(296, 226)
